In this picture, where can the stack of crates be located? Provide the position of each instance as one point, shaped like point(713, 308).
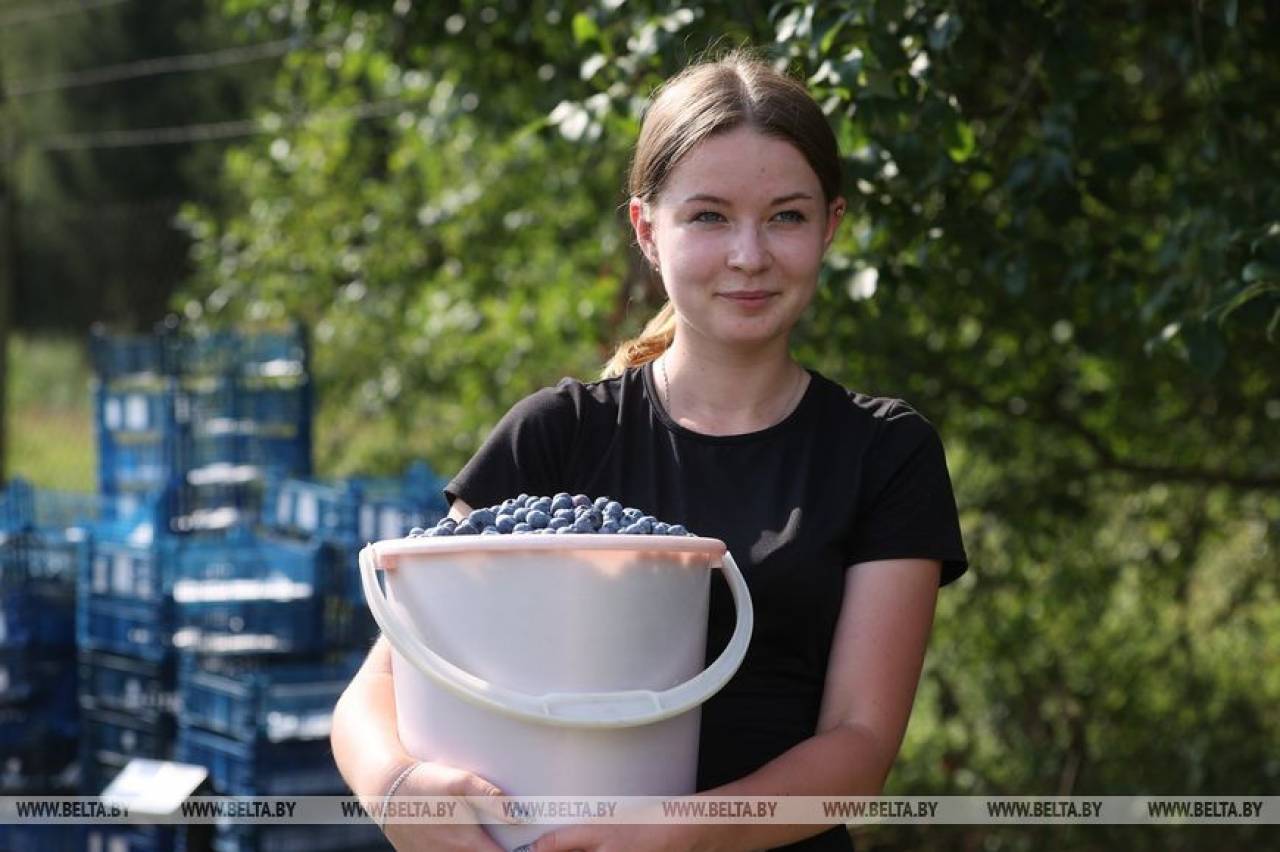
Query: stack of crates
point(246, 407)
point(39, 722)
point(200, 421)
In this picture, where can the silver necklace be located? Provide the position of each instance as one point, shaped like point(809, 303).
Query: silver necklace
point(666, 386)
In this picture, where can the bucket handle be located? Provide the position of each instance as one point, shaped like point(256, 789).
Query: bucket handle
point(619, 709)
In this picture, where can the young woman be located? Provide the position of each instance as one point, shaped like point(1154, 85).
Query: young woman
point(836, 505)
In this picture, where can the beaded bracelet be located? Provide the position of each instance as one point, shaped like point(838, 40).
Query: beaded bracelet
point(391, 791)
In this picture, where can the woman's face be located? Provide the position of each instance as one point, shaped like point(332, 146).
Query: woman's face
point(738, 234)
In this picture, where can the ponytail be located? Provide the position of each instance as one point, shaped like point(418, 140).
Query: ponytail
point(652, 342)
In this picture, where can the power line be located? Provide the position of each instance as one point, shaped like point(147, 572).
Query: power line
point(43, 12)
point(211, 131)
point(154, 67)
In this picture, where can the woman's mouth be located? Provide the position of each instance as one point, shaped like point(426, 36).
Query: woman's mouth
point(749, 297)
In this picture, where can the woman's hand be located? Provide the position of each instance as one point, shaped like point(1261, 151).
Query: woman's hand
point(438, 780)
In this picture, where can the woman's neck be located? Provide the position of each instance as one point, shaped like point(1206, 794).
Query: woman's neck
point(728, 393)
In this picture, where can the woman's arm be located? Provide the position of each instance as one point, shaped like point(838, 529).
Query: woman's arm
point(877, 654)
point(876, 657)
point(370, 756)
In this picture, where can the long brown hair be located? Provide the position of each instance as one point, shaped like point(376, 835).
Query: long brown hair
point(703, 100)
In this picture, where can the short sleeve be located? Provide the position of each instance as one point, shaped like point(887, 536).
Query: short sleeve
point(529, 450)
point(906, 505)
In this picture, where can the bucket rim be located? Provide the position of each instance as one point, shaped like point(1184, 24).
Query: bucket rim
point(401, 547)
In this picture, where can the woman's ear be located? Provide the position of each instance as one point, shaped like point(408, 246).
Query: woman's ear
point(642, 224)
point(835, 212)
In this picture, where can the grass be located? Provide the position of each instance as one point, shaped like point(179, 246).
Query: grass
point(50, 413)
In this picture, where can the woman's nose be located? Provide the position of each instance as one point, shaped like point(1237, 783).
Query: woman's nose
point(748, 253)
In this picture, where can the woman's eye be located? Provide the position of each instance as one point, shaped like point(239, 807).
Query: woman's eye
point(708, 216)
point(791, 216)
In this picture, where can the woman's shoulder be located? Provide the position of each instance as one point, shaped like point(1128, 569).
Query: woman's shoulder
point(867, 409)
point(576, 397)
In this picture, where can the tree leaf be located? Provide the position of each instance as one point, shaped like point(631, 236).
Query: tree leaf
point(584, 29)
point(1206, 348)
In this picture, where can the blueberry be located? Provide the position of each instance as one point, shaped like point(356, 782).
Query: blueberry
point(561, 501)
point(559, 523)
point(609, 527)
point(465, 528)
point(613, 509)
point(581, 500)
point(661, 529)
point(520, 514)
point(583, 525)
point(566, 531)
point(505, 523)
point(490, 531)
point(632, 515)
point(482, 517)
point(642, 526)
point(677, 529)
point(431, 533)
point(596, 518)
point(542, 504)
point(443, 530)
point(538, 519)
point(521, 528)
point(567, 514)
point(416, 531)
point(600, 503)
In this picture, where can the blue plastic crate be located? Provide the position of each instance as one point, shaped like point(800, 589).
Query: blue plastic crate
point(254, 625)
point(355, 837)
point(44, 838)
point(26, 676)
point(51, 715)
point(262, 768)
point(130, 838)
point(352, 512)
point(16, 506)
point(46, 765)
point(127, 684)
point(113, 738)
point(31, 621)
point(135, 570)
point(323, 510)
point(133, 359)
point(277, 702)
point(132, 628)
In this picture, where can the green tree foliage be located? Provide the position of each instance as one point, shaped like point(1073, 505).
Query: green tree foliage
point(1063, 249)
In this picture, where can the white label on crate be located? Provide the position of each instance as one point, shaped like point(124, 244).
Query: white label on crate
point(95, 842)
point(129, 740)
point(4, 679)
point(368, 524)
point(308, 512)
point(122, 574)
point(102, 573)
point(393, 524)
point(111, 413)
point(118, 843)
point(135, 412)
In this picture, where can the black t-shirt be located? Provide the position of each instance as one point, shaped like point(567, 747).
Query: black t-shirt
point(845, 478)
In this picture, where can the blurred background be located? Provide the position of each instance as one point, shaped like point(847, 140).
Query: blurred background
point(1063, 248)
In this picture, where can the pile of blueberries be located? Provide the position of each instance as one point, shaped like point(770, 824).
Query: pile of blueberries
point(560, 515)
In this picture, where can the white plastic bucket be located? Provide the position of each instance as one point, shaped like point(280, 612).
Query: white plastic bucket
point(555, 665)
